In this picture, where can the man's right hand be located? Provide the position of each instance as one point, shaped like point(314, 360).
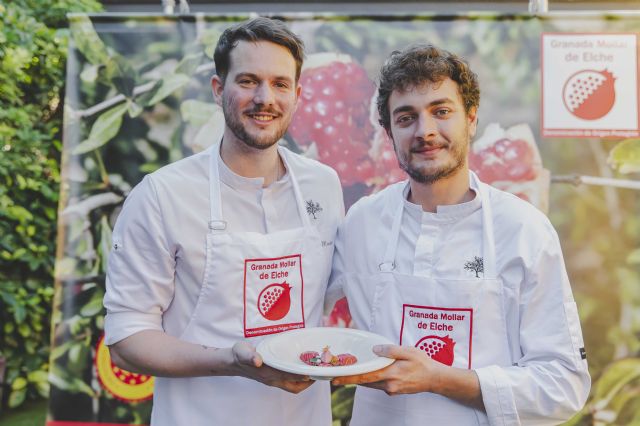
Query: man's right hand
point(248, 363)
point(159, 354)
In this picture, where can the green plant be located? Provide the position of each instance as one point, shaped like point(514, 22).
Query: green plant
point(33, 48)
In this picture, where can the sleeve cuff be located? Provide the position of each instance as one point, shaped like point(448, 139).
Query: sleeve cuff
point(120, 325)
point(497, 396)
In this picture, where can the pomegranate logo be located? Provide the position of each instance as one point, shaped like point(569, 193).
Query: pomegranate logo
point(274, 301)
point(438, 348)
point(589, 94)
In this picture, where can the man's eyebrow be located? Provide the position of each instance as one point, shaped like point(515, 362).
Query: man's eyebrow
point(403, 108)
point(435, 102)
point(246, 75)
point(256, 77)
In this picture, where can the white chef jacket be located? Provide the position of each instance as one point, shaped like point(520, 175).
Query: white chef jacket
point(157, 261)
point(544, 386)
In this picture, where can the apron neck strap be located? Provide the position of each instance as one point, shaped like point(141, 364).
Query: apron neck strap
point(488, 239)
point(217, 224)
point(488, 242)
point(389, 263)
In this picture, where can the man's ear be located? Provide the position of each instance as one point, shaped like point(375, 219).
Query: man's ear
point(472, 116)
point(298, 92)
point(217, 86)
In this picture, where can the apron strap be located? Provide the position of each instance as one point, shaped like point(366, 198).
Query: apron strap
point(217, 224)
point(488, 237)
point(389, 261)
point(302, 211)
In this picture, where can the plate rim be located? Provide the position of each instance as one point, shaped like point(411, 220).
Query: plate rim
point(325, 372)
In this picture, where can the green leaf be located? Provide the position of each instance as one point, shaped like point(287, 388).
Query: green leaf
point(170, 84)
point(38, 376)
point(43, 389)
point(104, 128)
point(625, 156)
point(614, 378)
point(19, 383)
point(634, 257)
point(342, 402)
point(87, 41)
point(17, 397)
point(81, 386)
point(104, 243)
point(189, 63)
point(93, 307)
point(198, 113)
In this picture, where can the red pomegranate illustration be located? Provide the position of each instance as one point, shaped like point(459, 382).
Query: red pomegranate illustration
point(128, 377)
point(589, 94)
point(333, 115)
point(438, 348)
point(274, 301)
point(507, 159)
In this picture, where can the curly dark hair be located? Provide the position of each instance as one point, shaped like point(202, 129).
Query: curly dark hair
point(254, 30)
point(419, 64)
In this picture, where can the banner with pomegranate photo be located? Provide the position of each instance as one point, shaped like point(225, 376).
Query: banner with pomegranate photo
point(138, 98)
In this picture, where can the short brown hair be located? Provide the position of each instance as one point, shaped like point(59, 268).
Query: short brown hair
point(419, 64)
point(254, 30)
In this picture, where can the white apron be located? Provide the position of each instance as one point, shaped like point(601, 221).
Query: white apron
point(254, 285)
point(459, 322)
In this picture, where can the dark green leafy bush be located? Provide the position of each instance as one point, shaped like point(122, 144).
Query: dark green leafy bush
point(33, 48)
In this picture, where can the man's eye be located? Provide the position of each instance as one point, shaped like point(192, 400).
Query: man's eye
point(442, 112)
point(246, 82)
point(403, 119)
point(282, 85)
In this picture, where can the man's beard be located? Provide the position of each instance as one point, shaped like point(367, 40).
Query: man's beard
point(444, 171)
point(239, 130)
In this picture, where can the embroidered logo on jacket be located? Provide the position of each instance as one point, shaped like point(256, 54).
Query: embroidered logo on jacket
point(476, 265)
point(313, 208)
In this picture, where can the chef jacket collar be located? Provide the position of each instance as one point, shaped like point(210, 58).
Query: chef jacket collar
point(241, 183)
point(446, 213)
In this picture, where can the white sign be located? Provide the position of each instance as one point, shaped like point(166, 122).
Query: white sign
point(590, 85)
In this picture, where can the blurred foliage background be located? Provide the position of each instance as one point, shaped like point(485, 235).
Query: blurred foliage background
point(138, 98)
point(33, 51)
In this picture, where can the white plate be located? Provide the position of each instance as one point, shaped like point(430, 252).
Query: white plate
point(282, 351)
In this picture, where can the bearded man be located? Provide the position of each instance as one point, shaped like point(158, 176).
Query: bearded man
point(469, 281)
point(200, 248)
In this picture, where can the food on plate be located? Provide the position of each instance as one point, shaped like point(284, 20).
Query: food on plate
point(327, 359)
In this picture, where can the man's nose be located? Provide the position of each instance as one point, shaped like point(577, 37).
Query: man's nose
point(263, 95)
point(427, 127)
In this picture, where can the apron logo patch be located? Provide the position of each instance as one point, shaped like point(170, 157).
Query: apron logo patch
point(313, 208)
point(270, 305)
point(443, 333)
point(438, 348)
point(274, 301)
point(476, 265)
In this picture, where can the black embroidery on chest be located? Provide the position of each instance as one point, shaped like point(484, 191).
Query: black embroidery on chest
point(313, 208)
point(476, 265)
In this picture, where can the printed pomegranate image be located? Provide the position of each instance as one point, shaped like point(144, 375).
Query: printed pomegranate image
point(274, 301)
point(509, 160)
point(506, 159)
point(589, 94)
point(128, 377)
point(332, 119)
point(438, 348)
